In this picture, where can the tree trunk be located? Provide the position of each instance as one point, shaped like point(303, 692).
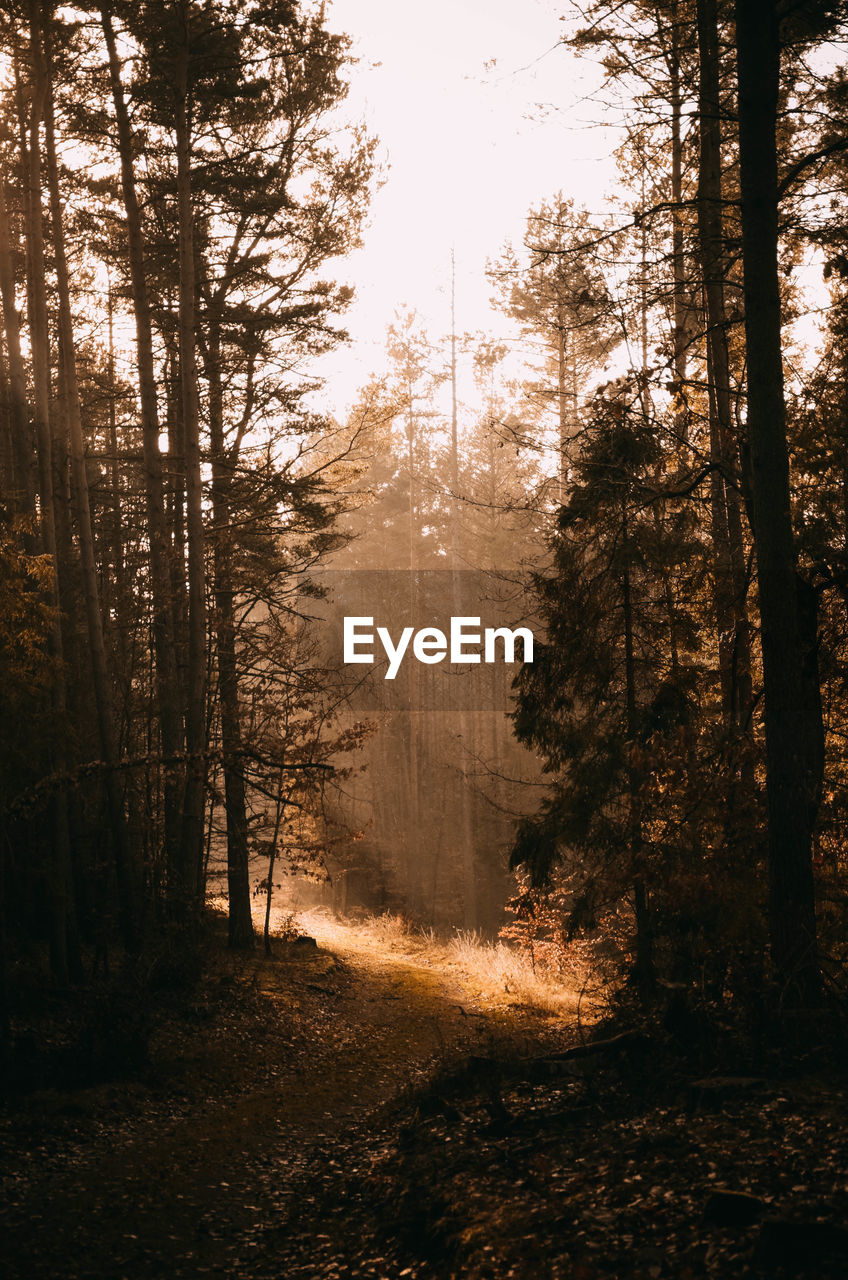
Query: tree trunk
point(116, 543)
point(272, 862)
point(470, 905)
point(7, 465)
point(728, 547)
point(792, 893)
point(238, 875)
point(412, 841)
point(562, 405)
point(194, 798)
point(23, 445)
point(679, 311)
point(167, 686)
point(644, 974)
point(126, 878)
point(60, 880)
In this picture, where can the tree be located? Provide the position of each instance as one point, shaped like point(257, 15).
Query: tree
point(168, 696)
point(256, 308)
point(626, 716)
point(793, 920)
point(216, 188)
point(561, 300)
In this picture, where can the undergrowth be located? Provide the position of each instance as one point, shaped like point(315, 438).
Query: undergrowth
point(493, 970)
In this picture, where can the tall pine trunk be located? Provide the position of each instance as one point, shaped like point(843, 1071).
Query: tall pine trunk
point(195, 784)
point(792, 893)
point(726, 518)
point(167, 684)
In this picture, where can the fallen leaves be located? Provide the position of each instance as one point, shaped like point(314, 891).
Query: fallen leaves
point(268, 1139)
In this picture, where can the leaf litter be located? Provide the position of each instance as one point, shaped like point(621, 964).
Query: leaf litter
point(298, 1119)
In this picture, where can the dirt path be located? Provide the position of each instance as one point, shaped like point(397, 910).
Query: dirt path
point(269, 1070)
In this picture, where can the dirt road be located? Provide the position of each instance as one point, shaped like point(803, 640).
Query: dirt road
point(264, 1076)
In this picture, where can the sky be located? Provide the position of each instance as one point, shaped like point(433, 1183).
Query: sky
point(481, 113)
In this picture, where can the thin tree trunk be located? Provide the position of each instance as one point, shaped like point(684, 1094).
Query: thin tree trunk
point(193, 802)
point(126, 878)
point(792, 891)
point(7, 465)
point(645, 391)
point(412, 842)
point(726, 518)
point(238, 873)
point(562, 404)
point(23, 445)
point(272, 862)
point(167, 685)
point(677, 244)
point(115, 539)
point(470, 904)
point(644, 975)
point(175, 489)
point(59, 857)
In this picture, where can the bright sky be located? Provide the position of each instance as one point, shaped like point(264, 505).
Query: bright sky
point(481, 113)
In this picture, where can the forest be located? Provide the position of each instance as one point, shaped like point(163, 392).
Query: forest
point(288, 951)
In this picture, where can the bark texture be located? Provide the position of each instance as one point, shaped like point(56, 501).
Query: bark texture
point(792, 895)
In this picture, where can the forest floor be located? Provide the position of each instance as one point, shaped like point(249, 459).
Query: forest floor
point(369, 1107)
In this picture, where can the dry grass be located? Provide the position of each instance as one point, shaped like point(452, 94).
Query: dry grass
point(502, 968)
point(492, 972)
